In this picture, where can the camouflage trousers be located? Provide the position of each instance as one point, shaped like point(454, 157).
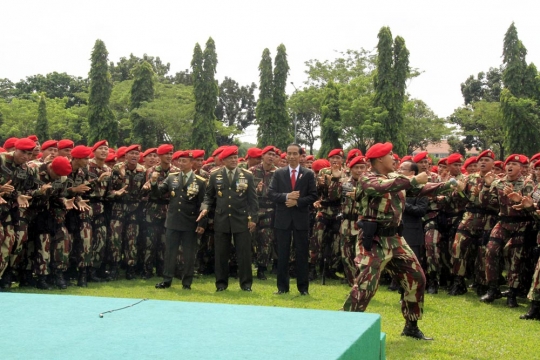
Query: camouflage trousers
point(534, 292)
point(20, 222)
point(348, 240)
point(124, 232)
point(7, 240)
point(154, 246)
point(432, 239)
point(265, 244)
point(325, 240)
point(99, 239)
point(82, 241)
point(402, 265)
point(509, 245)
point(61, 244)
point(465, 247)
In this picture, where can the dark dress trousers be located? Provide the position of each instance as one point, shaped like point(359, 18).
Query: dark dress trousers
point(181, 221)
point(235, 203)
point(292, 221)
point(413, 229)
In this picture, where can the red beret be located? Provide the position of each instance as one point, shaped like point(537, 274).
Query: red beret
point(111, 157)
point(10, 142)
point(269, 148)
point(25, 144)
point(352, 154)
point(254, 153)
point(522, 159)
point(210, 160)
point(420, 156)
point(357, 160)
point(241, 159)
point(2, 150)
point(454, 158)
point(535, 157)
point(81, 152)
point(39, 155)
point(98, 144)
point(218, 150)
point(470, 161)
point(61, 166)
point(379, 150)
point(320, 164)
point(536, 164)
point(442, 161)
point(34, 138)
point(310, 158)
point(435, 169)
point(164, 149)
point(498, 164)
point(396, 157)
point(228, 151)
point(148, 151)
point(335, 152)
point(486, 153)
point(49, 143)
point(141, 158)
point(198, 154)
point(65, 143)
point(283, 155)
point(133, 148)
point(121, 151)
point(406, 158)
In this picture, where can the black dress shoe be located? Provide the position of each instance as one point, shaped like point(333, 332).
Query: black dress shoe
point(220, 288)
point(280, 292)
point(186, 287)
point(163, 285)
point(304, 293)
point(247, 288)
point(412, 330)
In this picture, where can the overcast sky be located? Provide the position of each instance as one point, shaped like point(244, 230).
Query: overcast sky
point(447, 40)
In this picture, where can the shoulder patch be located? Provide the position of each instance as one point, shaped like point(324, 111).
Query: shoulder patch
point(215, 169)
point(200, 178)
point(174, 173)
point(246, 170)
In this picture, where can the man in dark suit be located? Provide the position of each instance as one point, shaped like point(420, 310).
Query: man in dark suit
point(234, 195)
point(186, 191)
point(293, 189)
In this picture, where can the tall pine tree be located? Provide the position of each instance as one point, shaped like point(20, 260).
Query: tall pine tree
point(42, 124)
point(265, 103)
point(281, 124)
point(101, 121)
point(330, 120)
point(142, 90)
point(206, 93)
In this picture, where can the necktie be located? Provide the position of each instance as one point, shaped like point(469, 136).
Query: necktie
point(230, 177)
point(184, 179)
point(293, 178)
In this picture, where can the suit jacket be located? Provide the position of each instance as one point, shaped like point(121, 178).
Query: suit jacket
point(413, 228)
point(184, 203)
point(280, 186)
point(233, 204)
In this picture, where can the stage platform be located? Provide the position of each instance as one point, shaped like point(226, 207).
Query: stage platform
point(36, 326)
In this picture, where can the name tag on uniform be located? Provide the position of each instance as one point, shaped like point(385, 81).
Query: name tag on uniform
point(6, 170)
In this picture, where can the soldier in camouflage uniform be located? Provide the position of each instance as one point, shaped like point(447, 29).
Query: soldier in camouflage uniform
point(264, 234)
point(382, 195)
point(18, 186)
point(125, 190)
point(325, 238)
point(508, 235)
point(473, 230)
point(155, 214)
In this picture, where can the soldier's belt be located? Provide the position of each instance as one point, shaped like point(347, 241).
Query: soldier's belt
point(514, 219)
point(331, 203)
point(350, 217)
point(387, 231)
point(481, 211)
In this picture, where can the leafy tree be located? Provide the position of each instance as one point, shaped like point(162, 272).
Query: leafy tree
point(206, 92)
point(123, 70)
point(456, 145)
point(265, 104)
point(514, 63)
point(305, 109)
point(101, 120)
point(42, 124)
point(486, 86)
point(281, 124)
point(142, 92)
point(6, 88)
point(330, 121)
point(181, 77)
point(235, 108)
point(54, 85)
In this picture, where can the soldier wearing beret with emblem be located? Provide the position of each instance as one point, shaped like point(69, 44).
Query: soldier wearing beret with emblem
point(234, 194)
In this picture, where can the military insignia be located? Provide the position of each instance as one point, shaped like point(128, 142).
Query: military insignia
point(6, 170)
point(516, 158)
point(489, 153)
point(173, 193)
point(22, 175)
point(220, 194)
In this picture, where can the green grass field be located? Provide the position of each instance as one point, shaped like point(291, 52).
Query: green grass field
point(463, 327)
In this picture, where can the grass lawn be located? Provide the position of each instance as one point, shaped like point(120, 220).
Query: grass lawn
point(463, 327)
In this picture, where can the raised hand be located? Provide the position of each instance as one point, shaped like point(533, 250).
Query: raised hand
point(43, 189)
point(83, 205)
point(104, 176)
point(79, 189)
point(7, 187)
point(121, 191)
point(514, 196)
point(421, 178)
point(22, 201)
point(147, 185)
point(69, 203)
point(508, 189)
point(336, 171)
point(488, 178)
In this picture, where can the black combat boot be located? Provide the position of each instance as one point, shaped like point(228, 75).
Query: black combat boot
point(92, 274)
point(5, 282)
point(59, 281)
point(130, 272)
point(394, 285)
point(312, 273)
point(511, 300)
point(411, 329)
point(459, 287)
point(492, 294)
point(533, 313)
point(42, 283)
point(113, 272)
point(26, 279)
point(433, 283)
point(260, 273)
point(481, 290)
point(81, 279)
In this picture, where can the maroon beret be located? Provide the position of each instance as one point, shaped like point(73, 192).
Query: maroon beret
point(434, 169)
point(81, 152)
point(228, 151)
point(535, 157)
point(396, 157)
point(61, 166)
point(111, 157)
point(176, 155)
point(536, 164)
point(310, 158)
point(420, 156)
point(164, 149)
point(442, 161)
point(320, 164)
point(25, 144)
point(522, 159)
point(357, 160)
point(269, 148)
point(406, 158)
point(2, 150)
point(498, 164)
point(134, 147)
point(10, 142)
point(121, 151)
point(65, 143)
point(98, 144)
point(283, 155)
point(210, 159)
point(335, 152)
point(454, 158)
point(379, 150)
point(198, 154)
point(486, 153)
point(49, 143)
